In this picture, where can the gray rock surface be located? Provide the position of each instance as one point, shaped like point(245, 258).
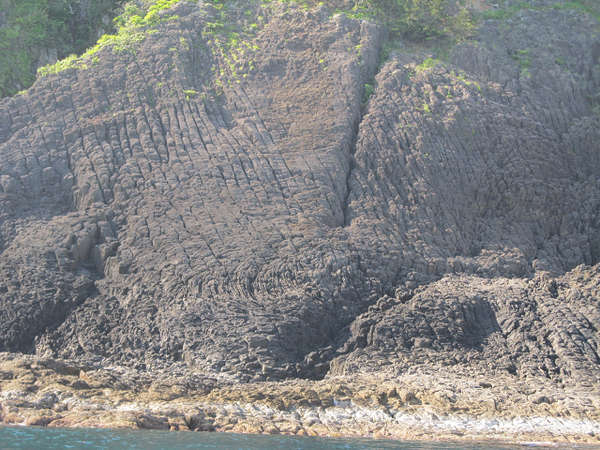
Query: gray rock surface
point(267, 224)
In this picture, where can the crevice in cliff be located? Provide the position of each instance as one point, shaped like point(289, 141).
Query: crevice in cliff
point(366, 91)
point(351, 166)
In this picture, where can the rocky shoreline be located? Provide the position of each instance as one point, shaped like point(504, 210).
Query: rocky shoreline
point(418, 405)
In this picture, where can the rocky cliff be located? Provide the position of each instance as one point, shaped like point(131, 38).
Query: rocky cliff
point(296, 197)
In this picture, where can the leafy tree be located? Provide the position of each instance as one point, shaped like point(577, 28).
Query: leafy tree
point(420, 19)
point(28, 26)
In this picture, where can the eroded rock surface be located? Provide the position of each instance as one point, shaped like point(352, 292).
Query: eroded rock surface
point(419, 404)
point(158, 210)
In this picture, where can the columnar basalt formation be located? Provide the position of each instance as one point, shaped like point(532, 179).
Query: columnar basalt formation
point(160, 209)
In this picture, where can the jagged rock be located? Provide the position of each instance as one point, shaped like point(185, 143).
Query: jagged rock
point(531, 327)
point(149, 422)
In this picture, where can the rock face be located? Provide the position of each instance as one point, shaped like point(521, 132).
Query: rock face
point(430, 404)
point(159, 208)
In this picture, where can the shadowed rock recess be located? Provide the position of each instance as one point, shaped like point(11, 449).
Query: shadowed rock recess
point(160, 209)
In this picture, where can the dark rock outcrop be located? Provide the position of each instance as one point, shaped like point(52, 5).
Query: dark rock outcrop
point(267, 223)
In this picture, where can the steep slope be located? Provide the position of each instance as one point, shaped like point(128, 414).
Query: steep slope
point(486, 167)
point(232, 205)
point(189, 211)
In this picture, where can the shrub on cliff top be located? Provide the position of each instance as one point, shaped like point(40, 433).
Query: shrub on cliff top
point(31, 25)
point(137, 17)
point(420, 19)
point(27, 27)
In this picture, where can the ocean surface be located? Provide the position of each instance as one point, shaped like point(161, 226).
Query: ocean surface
point(42, 438)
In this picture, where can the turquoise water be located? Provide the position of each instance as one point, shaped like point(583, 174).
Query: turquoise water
point(42, 438)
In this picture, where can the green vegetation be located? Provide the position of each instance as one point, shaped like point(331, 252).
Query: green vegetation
point(29, 26)
point(427, 64)
point(591, 7)
point(36, 24)
point(367, 93)
point(189, 94)
point(418, 20)
point(508, 10)
point(462, 77)
point(230, 35)
point(231, 32)
point(138, 18)
point(524, 59)
point(70, 62)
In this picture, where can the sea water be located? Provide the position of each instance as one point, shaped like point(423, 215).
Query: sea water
point(44, 438)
